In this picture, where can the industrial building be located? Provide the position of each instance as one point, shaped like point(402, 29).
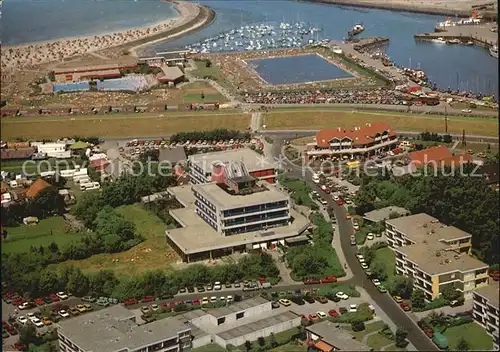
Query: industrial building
point(382, 214)
point(435, 255)
point(234, 213)
point(171, 75)
point(357, 143)
point(257, 165)
point(486, 310)
point(327, 336)
point(53, 150)
point(93, 72)
point(241, 321)
point(115, 329)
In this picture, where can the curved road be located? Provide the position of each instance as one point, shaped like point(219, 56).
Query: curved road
point(384, 301)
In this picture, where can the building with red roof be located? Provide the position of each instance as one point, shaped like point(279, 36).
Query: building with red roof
point(370, 139)
point(438, 156)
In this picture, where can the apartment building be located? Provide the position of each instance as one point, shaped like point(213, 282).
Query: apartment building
point(258, 166)
point(359, 142)
point(115, 329)
point(486, 310)
point(435, 255)
point(235, 203)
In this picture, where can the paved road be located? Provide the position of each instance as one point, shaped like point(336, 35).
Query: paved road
point(384, 301)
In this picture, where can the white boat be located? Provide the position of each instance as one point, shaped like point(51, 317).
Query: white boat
point(494, 51)
point(453, 41)
point(358, 28)
point(439, 40)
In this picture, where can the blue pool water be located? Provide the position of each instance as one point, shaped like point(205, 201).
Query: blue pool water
point(70, 87)
point(306, 68)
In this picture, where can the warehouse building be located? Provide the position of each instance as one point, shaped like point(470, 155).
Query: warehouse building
point(235, 213)
point(257, 165)
point(115, 329)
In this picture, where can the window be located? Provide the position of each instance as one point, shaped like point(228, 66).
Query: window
point(221, 320)
point(240, 315)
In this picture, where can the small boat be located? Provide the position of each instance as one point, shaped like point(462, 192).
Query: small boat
point(439, 40)
point(357, 28)
point(494, 51)
point(453, 41)
point(470, 42)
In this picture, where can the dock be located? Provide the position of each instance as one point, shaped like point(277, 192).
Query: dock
point(480, 35)
point(369, 43)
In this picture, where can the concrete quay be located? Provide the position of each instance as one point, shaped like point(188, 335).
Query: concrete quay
point(479, 35)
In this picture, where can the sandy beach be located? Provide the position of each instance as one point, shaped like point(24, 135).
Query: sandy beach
point(31, 55)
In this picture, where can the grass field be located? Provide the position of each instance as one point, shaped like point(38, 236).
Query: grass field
point(146, 222)
point(289, 347)
point(318, 119)
point(369, 328)
point(387, 258)
point(213, 72)
point(121, 125)
point(21, 238)
point(212, 347)
point(377, 341)
point(35, 167)
point(473, 333)
point(192, 93)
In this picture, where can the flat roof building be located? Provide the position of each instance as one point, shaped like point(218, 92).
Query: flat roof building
point(257, 165)
point(384, 213)
point(115, 329)
point(486, 310)
point(326, 337)
point(435, 255)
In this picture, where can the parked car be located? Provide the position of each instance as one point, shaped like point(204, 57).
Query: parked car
point(155, 307)
point(213, 299)
point(381, 289)
point(405, 306)
point(308, 299)
point(74, 311)
point(130, 301)
point(148, 299)
point(275, 304)
point(89, 299)
point(321, 315)
point(62, 295)
point(81, 308)
point(322, 299)
point(145, 309)
point(88, 307)
point(297, 300)
point(376, 282)
point(397, 299)
point(204, 301)
point(46, 321)
point(24, 305)
point(341, 295)
point(370, 236)
point(37, 322)
point(63, 313)
point(353, 308)
point(333, 313)
point(217, 286)
point(285, 302)
point(342, 310)
point(22, 319)
point(313, 317)
point(353, 241)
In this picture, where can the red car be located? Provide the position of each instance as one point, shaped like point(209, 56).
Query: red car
point(313, 317)
point(329, 279)
point(148, 299)
point(20, 347)
point(164, 306)
point(405, 306)
point(340, 202)
point(333, 313)
point(39, 301)
point(196, 302)
point(130, 301)
point(304, 318)
point(429, 332)
point(54, 297)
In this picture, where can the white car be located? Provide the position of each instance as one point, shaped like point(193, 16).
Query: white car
point(204, 301)
point(359, 256)
point(341, 295)
point(213, 299)
point(217, 286)
point(31, 316)
point(467, 110)
point(222, 298)
point(321, 315)
point(335, 197)
point(22, 319)
point(315, 179)
point(63, 313)
point(155, 307)
point(25, 305)
point(315, 193)
point(324, 202)
point(353, 308)
point(37, 322)
point(364, 266)
point(376, 282)
point(62, 295)
point(355, 226)
point(370, 236)
point(229, 298)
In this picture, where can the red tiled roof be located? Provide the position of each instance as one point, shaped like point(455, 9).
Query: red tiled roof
point(422, 157)
point(99, 164)
point(323, 346)
point(17, 154)
point(360, 136)
point(38, 186)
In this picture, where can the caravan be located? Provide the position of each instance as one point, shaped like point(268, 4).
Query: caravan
point(89, 186)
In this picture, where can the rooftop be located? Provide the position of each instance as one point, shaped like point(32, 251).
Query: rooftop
point(337, 337)
point(112, 329)
point(172, 155)
point(491, 293)
point(383, 213)
point(258, 325)
point(439, 155)
point(171, 72)
point(359, 135)
point(422, 227)
point(436, 258)
point(252, 160)
point(37, 186)
point(237, 307)
point(216, 195)
point(197, 236)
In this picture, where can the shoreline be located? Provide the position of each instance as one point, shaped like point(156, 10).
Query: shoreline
point(398, 6)
point(190, 17)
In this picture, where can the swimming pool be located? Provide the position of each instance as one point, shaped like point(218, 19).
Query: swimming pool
point(128, 83)
point(296, 69)
point(70, 87)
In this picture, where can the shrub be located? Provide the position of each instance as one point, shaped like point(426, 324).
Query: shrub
point(357, 325)
point(460, 321)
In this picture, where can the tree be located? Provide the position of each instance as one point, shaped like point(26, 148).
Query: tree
point(89, 204)
point(357, 325)
point(401, 335)
point(27, 334)
point(202, 96)
point(208, 63)
point(78, 284)
point(418, 298)
point(379, 270)
point(450, 293)
point(463, 345)
point(47, 202)
point(401, 286)
point(248, 345)
point(261, 341)
point(49, 281)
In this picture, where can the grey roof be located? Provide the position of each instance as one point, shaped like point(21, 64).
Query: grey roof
point(171, 72)
point(258, 325)
point(337, 337)
point(173, 155)
point(491, 293)
point(237, 307)
point(114, 329)
point(383, 213)
point(297, 239)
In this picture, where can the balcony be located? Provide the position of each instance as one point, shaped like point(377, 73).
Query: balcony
point(352, 150)
point(229, 214)
point(255, 222)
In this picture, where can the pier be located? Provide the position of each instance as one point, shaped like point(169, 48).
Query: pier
point(481, 35)
point(368, 43)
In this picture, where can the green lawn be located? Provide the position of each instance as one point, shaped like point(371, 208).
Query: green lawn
point(146, 222)
point(213, 347)
point(387, 258)
point(35, 167)
point(369, 328)
point(289, 347)
point(475, 335)
point(377, 341)
point(299, 191)
point(21, 238)
point(394, 348)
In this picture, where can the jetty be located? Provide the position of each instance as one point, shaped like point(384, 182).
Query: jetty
point(481, 35)
point(369, 43)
